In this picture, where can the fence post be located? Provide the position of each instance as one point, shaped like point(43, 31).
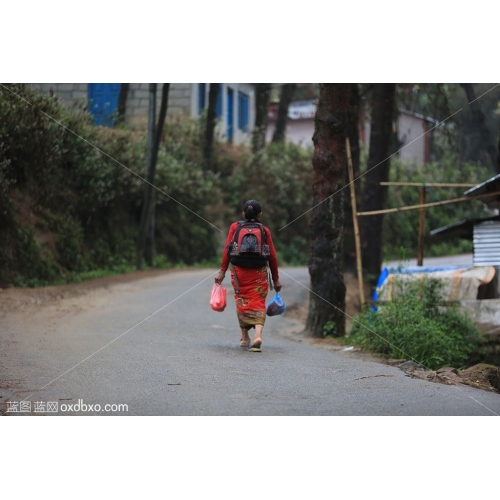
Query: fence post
point(421, 228)
point(355, 223)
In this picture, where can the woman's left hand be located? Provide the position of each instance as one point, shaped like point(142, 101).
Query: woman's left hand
point(277, 285)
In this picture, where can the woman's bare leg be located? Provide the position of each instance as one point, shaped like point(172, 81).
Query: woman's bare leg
point(244, 335)
point(258, 334)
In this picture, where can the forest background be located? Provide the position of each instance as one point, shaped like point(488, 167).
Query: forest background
point(69, 212)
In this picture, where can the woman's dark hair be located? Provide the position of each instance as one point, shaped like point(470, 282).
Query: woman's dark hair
point(252, 209)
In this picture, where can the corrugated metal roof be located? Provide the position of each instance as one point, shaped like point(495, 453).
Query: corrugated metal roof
point(462, 229)
point(487, 243)
point(418, 115)
point(490, 186)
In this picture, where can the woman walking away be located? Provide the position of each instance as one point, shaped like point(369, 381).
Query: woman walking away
point(249, 247)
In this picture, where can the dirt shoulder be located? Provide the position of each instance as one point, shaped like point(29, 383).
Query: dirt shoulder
point(14, 300)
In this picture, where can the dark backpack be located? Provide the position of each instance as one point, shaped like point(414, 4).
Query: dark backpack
point(249, 246)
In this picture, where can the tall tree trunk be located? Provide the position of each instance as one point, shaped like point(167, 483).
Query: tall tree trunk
point(327, 299)
point(285, 99)
point(498, 155)
point(480, 121)
point(353, 134)
point(210, 126)
point(149, 252)
point(122, 103)
point(156, 133)
point(375, 195)
point(353, 127)
point(261, 116)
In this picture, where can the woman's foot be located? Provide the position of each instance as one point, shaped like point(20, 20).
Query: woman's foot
point(244, 343)
point(256, 345)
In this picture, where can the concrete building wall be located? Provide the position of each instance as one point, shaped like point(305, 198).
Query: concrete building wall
point(299, 131)
point(137, 106)
point(182, 103)
point(410, 134)
point(69, 92)
point(411, 128)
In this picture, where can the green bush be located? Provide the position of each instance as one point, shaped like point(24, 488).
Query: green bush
point(419, 325)
point(69, 211)
point(55, 186)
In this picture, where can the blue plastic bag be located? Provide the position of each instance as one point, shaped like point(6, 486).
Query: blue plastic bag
point(276, 306)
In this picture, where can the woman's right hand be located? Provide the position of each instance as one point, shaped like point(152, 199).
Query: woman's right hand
point(220, 277)
point(277, 285)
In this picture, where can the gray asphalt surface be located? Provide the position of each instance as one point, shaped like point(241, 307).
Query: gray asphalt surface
point(185, 359)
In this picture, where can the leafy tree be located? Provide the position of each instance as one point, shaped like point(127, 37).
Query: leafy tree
point(462, 132)
point(327, 299)
point(480, 122)
point(154, 138)
point(210, 125)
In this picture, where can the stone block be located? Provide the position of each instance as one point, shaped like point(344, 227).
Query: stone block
point(183, 102)
point(134, 111)
point(78, 94)
point(44, 87)
point(64, 87)
point(141, 94)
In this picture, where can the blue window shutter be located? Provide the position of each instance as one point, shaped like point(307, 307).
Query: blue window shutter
point(243, 111)
point(229, 111)
point(246, 106)
point(201, 98)
point(218, 106)
point(103, 102)
point(240, 108)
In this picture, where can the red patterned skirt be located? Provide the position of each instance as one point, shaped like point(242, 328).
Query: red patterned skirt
point(251, 298)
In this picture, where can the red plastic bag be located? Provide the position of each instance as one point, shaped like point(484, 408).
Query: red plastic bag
point(218, 298)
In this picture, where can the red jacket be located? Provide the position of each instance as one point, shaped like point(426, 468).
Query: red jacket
point(273, 259)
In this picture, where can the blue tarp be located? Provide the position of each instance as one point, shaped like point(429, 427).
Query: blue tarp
point(409, 270)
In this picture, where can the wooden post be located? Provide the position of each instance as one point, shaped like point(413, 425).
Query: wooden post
point(421, 228)
point(433, 204)
point(355, 223)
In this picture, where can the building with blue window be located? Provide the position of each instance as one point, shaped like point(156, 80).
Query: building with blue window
point(235, 108)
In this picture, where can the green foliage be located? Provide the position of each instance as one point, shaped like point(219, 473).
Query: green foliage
point(330, 329)
point(66, 207)
point(70, 211)
point(419, 325)
point(279, 177)
point(448, 101)
point(401, 228)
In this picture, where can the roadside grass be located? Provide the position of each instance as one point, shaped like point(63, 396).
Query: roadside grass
point(419, 325)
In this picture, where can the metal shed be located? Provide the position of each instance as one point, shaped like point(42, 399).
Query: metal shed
point(487, 243)
point(484, 232)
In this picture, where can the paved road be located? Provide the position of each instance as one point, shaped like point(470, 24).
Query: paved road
point(185, 359)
